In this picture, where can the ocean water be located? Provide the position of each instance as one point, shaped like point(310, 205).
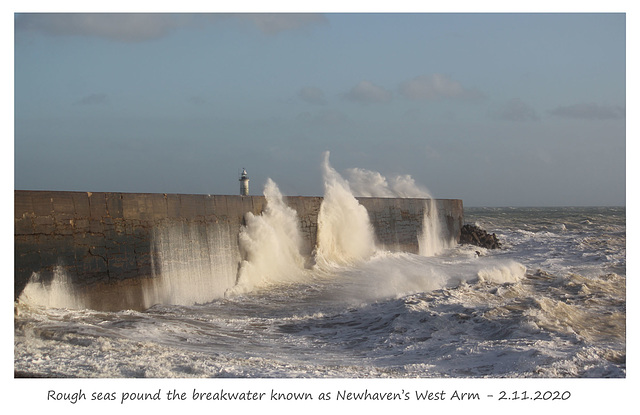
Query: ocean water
point(550, 304)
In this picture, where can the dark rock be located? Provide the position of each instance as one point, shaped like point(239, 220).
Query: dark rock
point(474, 235)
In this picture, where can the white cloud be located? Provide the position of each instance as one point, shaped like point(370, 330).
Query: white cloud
point(137, 27)
point(127, 27)
point(273, 23)
point(312, 95)
point(367, 92)
point(325, 118)
point(93, 99)
point(435, 86)
point(517, 110)
point(197, 100)
point(590, 111)
point(432, 153)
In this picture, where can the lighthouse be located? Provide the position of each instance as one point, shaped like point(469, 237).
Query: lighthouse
point(244, 183)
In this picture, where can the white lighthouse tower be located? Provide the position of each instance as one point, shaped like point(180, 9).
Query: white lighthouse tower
point(244, 183)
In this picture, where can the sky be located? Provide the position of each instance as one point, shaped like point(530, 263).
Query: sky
point(508, 109)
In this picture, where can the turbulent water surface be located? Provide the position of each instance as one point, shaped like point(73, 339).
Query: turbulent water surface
point(551, 303)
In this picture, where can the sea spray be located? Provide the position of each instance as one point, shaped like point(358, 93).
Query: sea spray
point(404, 185)
point(367, 183)
point(197, 263)
point(345, 237)
point(432, 240)
point(345, 233)
point(59, 292)
point(270, 245)
point(192, 263)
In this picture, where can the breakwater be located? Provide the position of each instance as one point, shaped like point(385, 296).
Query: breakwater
point(112, 251)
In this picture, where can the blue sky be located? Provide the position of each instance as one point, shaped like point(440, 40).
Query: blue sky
point(495, 109)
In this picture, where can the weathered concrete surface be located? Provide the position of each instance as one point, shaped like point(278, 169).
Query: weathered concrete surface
point(104, 242)
point(398, 222)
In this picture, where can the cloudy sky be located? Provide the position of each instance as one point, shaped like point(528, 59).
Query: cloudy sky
point(494, 109)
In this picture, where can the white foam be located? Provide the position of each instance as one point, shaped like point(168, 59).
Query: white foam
point(389, 275)
point(502, 272)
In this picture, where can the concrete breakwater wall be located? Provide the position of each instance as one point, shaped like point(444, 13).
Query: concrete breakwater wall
point(113, 248)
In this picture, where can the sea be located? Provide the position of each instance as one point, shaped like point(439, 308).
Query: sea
point(550, 303)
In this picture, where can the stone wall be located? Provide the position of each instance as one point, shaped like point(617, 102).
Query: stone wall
point(106, 240)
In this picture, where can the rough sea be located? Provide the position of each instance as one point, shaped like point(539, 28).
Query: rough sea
point(551, 303)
